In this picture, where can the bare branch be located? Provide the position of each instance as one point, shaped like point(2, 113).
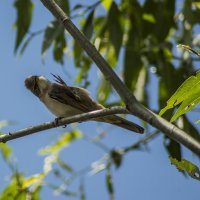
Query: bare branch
point(64, 121)
point(134, 107)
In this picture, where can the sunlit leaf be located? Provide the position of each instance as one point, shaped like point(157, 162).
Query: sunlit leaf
point(35, 179)
point(186, 93)
point(196, 4)
point(12, 190)
point(62, 142)
point(149, 18)
point(24, 17)
point(187, 166)
point(186, 106)
point(103, 91)
point(106, 4)
point(5, 150)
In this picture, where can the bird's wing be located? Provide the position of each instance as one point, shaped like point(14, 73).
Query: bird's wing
point(74, 96)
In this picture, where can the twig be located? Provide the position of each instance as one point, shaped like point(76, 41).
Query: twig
point(63, 121)
point(141, 141)
point(134, 107)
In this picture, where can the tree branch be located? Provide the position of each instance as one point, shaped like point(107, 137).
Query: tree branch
point(64, 121)
point(134, 107)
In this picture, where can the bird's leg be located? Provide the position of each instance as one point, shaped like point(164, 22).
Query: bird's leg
point(57, 120)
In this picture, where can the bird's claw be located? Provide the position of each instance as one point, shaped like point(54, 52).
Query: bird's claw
point(56, 122)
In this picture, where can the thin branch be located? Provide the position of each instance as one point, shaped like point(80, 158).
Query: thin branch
point(64, 121)
point(142, 141)
point(134, 107)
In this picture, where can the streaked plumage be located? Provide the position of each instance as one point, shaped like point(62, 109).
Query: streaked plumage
point(65, 101)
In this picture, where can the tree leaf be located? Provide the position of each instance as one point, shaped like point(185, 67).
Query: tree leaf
point(173, 148)
point(64, 165)
point(187, 166)
point(5, 151)
point(34, 179)
point(52, 31)
point(109, 182)
point(62, 142)
point(59, 48)
point(88, 25)
point(186, 92)
point(24, 17)
point(186, 106)
point(103, 91)
point(114, 27)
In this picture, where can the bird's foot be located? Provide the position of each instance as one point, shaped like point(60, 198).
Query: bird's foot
point(57, 120)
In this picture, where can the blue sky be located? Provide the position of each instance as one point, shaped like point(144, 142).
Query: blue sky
point(144, 174)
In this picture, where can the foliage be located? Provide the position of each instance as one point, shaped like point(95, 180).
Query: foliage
point(187, 166)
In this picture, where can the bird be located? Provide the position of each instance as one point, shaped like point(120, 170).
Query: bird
point(66, 101)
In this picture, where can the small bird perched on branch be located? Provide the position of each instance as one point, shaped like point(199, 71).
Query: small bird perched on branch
point(65, 101)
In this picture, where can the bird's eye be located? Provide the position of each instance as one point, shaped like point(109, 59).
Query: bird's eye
point(36, 89)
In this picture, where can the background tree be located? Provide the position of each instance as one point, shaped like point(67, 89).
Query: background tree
point(138, 39)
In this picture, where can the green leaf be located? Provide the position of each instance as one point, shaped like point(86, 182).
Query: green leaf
point(88, 25)
point(64, 4)
point(12, 190)
point(59, 48)
point(106, 4)
point(25, 44)
point(5, 150)
point(187, 166)
point(188, 48)
point(149, 18)
point(109, 182)
point(62, 142)
point(34, 179)
point(104, 91)
point(117, 157)
point(64, 165)
point(24, 17)
point(186, 106)
point(173, 148)
point(114, 27)
point(52, 31)
point(186, 93)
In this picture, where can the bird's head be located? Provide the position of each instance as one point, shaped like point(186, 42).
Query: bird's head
point(38, 85)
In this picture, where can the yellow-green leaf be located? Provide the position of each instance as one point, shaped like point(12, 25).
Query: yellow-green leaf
point(187, 166)
point(106, 4)
point(187, 92)
point(62, 142)
point(149, 17)
point(5, 150)
point(37, 178)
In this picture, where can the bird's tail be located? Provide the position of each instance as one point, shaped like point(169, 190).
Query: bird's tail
point(121, 122)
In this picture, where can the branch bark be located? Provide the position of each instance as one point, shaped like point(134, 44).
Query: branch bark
point(64, 121)
point(132, 104)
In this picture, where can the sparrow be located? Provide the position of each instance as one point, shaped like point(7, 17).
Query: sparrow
point(65, 101)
